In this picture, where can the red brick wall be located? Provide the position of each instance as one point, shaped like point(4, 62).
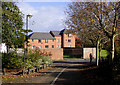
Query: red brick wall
point(42, 44)
point(58, 43)
point(72, 51)
point(56, 53)
point(62, 41)
point(66, 38)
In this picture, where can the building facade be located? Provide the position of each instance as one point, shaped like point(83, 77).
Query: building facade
point(53, 39)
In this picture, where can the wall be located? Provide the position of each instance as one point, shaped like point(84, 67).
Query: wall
point(58, 43)
point(42, 43)
point(65, 40)
point(57, 53)
point(72, 51)
point(87, 51)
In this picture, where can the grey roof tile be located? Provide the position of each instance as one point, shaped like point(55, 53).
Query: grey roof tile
point(41, 35)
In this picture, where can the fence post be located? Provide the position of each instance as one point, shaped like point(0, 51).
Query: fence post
point(4, 71)
point(23, 72)
point(28, 71)
point(33, 70)
point(36, 69)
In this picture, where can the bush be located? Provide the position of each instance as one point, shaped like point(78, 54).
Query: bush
point(12, 60)
point(32, 59)
point(46, 59)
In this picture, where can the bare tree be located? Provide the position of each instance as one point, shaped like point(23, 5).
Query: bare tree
point(100, 17)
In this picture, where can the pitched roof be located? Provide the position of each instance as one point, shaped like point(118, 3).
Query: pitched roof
point(41, 35)
point(56, 33)
point(64, 31)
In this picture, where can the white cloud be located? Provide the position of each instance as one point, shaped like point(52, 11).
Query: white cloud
point(26, 9)
point(45, 18)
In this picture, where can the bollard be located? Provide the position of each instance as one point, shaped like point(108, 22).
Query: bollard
point(38, 68)
point(4, 71)
point(28, 71)
point(32, 70)
point(35, 69)
point(23, 72)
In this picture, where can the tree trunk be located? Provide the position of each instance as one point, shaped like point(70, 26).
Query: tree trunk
point(99, 54)
point(97, 50)
point(112, 49)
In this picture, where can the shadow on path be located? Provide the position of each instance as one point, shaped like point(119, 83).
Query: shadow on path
point(84, 75)
point(70, 62)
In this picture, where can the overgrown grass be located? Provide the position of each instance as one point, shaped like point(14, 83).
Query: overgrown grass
point(104, 53)
point(73, 56)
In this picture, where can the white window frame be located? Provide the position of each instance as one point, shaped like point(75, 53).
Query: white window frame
point(46, 41)
point(69, 45)
point(33, 47)
point(69, 35)
point(57, 40)
point(40, 47)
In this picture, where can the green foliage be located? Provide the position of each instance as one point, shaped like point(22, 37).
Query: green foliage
point(46, 60)
point(32, 59)
point(104, 53)
point(12, 60)
point(72, 56)
point(12, 25)
point(95, 22)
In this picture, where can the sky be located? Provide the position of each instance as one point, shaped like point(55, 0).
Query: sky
point(46, 16)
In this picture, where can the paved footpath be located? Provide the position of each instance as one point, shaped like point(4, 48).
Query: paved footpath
point(64, 73)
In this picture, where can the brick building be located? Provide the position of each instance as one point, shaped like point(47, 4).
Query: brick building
point(53, 39)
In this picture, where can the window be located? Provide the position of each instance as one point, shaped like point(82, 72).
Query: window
point(52, 46)
point(40, 47)
point(46, 41)
point(53, 40)
point(69, 35)
point(33, 47)
point(32, 40)
point(46, 46)
point(57, 40)
point(57, 46)
point(69, 40)
point(69, 45)
point(39, 41)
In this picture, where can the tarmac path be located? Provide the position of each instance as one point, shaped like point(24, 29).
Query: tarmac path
point(63, 73)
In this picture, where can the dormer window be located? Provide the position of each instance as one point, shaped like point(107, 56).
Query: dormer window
point(32, 40)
